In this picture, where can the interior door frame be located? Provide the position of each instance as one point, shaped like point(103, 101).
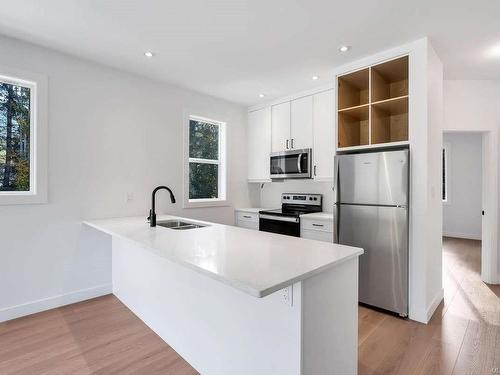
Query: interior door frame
point(489, 203)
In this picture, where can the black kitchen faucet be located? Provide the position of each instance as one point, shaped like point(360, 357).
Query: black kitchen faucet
point(152, 213)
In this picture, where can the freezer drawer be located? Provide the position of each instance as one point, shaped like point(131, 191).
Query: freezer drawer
point(379, 178)
point(383, 268)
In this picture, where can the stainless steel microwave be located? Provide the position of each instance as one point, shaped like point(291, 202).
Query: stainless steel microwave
point(291, 164)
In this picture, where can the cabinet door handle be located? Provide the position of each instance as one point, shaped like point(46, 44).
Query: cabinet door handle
point(287, 144)
point(292, 143)
point(318, 225)
point(247, 216)
point(315, 170)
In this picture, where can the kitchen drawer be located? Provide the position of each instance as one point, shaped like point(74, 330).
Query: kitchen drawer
point(317, 235)
point(248, 224)
point(247, 216)
point(319, 225)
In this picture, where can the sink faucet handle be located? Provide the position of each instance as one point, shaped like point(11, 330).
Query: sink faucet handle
point(152, 218)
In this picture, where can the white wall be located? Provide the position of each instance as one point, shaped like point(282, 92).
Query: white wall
point(433, 215)
point(462, 211)
point(110, 134)
point(475, 106)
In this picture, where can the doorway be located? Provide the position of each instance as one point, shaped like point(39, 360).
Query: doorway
point(462, 185)
point(468, 183)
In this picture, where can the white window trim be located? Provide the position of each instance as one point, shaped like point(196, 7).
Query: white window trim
point(38, 85)
point(447, 152)
point(214, 202)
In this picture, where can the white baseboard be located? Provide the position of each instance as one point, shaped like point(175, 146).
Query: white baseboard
point(425, 314)
point(28, 308)
point(468, 236)
point(434, 304)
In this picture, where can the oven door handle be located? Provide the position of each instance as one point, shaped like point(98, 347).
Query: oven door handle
point(279, 218)
point(299, 163)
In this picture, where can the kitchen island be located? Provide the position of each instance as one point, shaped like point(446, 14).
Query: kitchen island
point(237, 301)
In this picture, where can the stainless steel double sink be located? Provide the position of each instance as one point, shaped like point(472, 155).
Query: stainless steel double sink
point(178, 225)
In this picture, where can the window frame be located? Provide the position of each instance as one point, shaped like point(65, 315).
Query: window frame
point(38, 85)
point(222, 199)
point(446, 166)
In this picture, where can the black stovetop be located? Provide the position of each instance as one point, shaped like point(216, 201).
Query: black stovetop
point(294, 211)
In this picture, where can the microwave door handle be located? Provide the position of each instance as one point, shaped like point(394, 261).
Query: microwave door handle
point(299, 163)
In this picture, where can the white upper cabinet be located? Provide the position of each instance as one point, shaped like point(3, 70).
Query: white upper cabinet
point(259, 144)
point(323, 130)
point(301, 125)
point(305, 122)
point(280, 128)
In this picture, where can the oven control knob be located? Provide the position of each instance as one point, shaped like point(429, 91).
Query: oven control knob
point(310, 198)
point(315, 198)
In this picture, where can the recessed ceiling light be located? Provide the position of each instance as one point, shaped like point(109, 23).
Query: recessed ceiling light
point(261, 95)
point(494, 51)
point(315, 78)
point(344, 48)
point(148, 54)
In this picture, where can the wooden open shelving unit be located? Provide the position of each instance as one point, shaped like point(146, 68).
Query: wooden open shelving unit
point(354, 89)
point(373, 105)
point(353, 126)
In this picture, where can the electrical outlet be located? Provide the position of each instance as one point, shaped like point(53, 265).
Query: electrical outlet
point(130, 196)
point(287, 294)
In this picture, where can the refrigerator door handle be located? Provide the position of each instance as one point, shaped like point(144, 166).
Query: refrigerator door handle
point(336, 224)
point(335, 172)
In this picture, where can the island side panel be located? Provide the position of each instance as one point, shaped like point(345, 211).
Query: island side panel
point(330, 321)
point(219, 330)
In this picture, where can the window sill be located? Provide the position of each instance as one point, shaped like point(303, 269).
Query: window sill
point(206, 203)
point(22, 198)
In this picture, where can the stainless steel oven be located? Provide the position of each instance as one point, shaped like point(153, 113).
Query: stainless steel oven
point(286, 220)
point(279, 224)
point(291, 164)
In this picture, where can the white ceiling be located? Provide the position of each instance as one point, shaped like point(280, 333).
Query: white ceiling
point(236, 49)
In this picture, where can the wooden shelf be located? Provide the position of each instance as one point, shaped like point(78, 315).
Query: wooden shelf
point(353, 89)
point(389, 79)
point(389, 121)
point(372, 108)
point(382, 102)
point(375, 146)
point(353, 127)
point(353, 108)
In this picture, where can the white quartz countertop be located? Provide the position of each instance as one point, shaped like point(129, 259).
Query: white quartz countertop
point(318, 216)
point(258, 263)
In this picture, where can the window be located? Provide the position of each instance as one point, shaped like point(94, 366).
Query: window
point(15, 131)
point(23, 153)
point(206, 169)
point(444, 193)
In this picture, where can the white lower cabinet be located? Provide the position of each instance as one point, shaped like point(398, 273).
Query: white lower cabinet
point(316, 229)
point(246, 219)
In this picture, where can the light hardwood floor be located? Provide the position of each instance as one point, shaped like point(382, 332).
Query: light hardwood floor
point(102, 336)
point(99, 336)
point(463, 336)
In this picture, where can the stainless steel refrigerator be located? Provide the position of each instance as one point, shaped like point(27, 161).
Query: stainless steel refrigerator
point(371, 211)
